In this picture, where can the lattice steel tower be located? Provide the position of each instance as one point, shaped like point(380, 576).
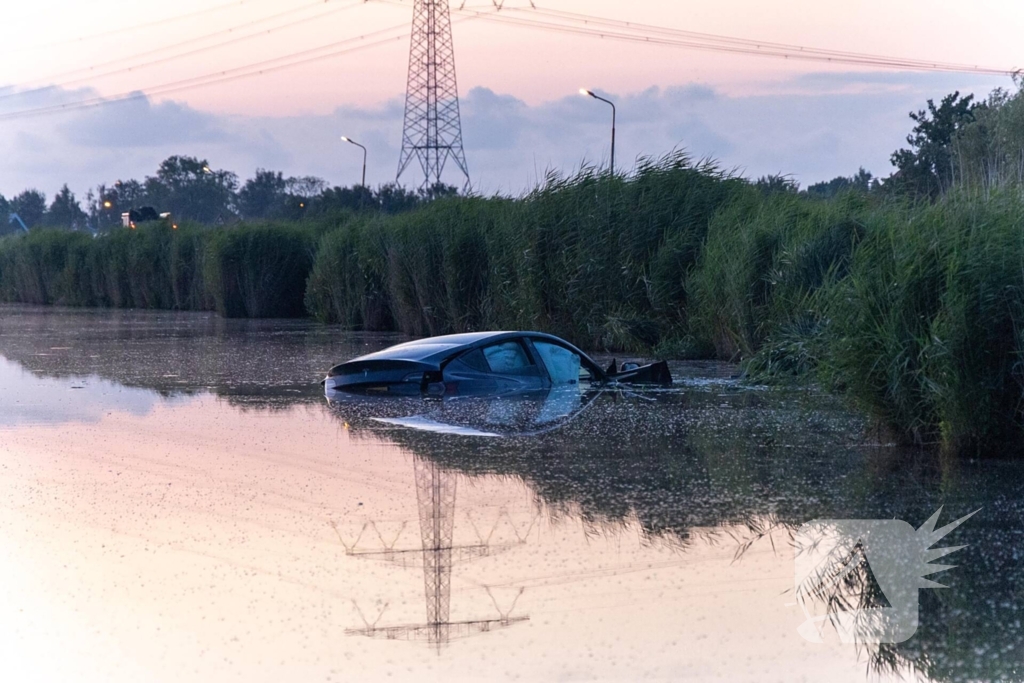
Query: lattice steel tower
point(433, 130)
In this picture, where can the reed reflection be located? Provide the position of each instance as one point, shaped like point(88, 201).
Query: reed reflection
point(733, 468)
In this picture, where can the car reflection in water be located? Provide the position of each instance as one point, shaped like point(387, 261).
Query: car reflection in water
point(523, 414)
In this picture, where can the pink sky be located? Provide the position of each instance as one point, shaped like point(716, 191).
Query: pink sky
point(521, 114)
point(534, 66)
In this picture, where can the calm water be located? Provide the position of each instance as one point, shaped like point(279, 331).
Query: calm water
point(180, 502)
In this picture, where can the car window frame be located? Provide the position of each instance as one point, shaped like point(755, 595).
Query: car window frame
point(535, 368)
point(585, 361)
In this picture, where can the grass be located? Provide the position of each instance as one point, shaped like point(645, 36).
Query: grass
point(914, 312)
point(926, 329)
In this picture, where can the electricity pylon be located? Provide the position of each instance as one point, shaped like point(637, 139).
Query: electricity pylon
point(432, 131)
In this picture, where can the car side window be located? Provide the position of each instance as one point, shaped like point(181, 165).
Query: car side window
point(562, 364)
point(475, 360)
point(507, 356)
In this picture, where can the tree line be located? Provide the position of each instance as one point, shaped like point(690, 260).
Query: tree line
point(959, 142)
point(190, 190)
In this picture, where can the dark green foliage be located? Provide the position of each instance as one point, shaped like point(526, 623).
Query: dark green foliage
point(263, 195)
point(393, 198)
point(763, 261)
point(127, 269)
point(6, 225)
point(861, 182)
point(776, 184)
point(599, 260)
point(30, 206)
point(925, 331)
point(190, 190)
point(915, 311)
point(259, 271)
point(926, 169)
point(347, 284)
point(65, 211)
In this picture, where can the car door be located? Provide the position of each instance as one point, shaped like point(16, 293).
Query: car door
point(563, 366)
point(502, 367)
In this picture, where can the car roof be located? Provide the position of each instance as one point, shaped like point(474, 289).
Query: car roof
point(438, 348)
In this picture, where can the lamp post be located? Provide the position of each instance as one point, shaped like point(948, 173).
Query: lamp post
point(589, 93)
point(353, 142)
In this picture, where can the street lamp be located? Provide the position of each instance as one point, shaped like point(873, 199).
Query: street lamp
point(589, 93)
point(353, 142)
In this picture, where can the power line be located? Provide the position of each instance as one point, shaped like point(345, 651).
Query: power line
point(136, 27)
point(654, 35)
point(225, 76)
point(685, 39)
point(206, 48)
point(746, 42)
point(228, 75)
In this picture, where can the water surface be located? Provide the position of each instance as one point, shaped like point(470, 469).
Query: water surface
point(181, 503)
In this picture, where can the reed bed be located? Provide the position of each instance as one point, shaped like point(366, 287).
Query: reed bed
point(913, 311)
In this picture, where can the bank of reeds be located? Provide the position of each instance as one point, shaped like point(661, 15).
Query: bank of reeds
point(915, 312)
point(927, 329)
point(252, 271)
point(602, 261)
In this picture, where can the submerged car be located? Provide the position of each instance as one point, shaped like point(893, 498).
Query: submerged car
point(482, 363)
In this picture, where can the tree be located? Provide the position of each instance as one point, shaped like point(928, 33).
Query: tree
point(438, 191)
point(104, 205)
point(30, 206)
point(190, 189)
point(65, 211)
point(263, 196)
point(129, 194)
point(861, 182)
point(5, 213)
point(302, 195)
point(926, 169)
point(306, 187)
point(987, 152)
point(393, 198)
point(776, 184)
point(357, 198)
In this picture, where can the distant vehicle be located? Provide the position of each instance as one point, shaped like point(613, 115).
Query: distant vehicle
point(130, 219)
point(481, 363)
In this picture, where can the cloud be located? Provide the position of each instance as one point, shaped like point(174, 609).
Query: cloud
point(812, 126)
point(142, 123)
